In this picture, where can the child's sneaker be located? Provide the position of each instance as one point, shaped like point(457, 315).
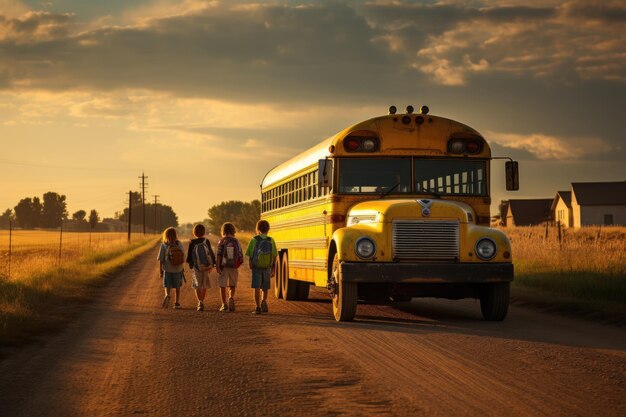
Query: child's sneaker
point(200, 306)
point(166, 301)
point(264, 308)
point(231, 304)
point(177, 306)
point(223, 307)
point(257, 310)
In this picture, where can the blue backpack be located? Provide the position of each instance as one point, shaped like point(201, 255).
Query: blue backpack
point(262, 254)
point(202, 258)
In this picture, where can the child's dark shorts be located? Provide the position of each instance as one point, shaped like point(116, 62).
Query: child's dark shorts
point(261, 279)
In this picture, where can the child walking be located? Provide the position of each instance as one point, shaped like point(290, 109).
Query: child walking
point(171, 259)
point(201, 260)
point(262, 256)
point(229, 258)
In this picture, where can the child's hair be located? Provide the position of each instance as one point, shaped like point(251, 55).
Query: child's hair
point(169, 235)
point(228, 229)
point(263, 226)
point(199, 230)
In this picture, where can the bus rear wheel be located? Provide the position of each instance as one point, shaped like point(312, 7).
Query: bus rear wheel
point(278, 288)
point(289, 286)
point(344, 296)
point(494, 303)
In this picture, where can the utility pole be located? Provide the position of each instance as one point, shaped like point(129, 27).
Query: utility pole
point(143, 199)
point(156, 201)
point(130, 212)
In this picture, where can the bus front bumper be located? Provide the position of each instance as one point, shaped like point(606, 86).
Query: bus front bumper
point(421, 273)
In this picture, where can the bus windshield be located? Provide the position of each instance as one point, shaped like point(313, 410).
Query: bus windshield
point(451, 176)
point(374, 176)
point(432, 176)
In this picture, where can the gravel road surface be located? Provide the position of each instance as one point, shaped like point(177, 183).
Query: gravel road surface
point(124, 355)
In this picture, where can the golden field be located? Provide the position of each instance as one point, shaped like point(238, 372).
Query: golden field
point(585, 271)
point(39, 295)
point(36, 251)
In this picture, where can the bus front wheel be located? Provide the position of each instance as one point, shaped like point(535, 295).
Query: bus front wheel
point(494, 303)
point(344, 296)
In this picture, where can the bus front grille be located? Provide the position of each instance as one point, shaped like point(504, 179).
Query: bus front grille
point(424, 240)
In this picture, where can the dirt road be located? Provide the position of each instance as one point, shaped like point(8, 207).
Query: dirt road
point(124, 355)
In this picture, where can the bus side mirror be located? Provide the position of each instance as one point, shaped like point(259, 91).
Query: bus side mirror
point(325, 174)
point(512, 175)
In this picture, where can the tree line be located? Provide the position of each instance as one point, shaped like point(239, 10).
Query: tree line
point(50, 212)
point(243, 215)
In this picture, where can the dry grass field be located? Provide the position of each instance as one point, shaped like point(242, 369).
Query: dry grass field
point(584, 271)
point(37, 251)
point(42, 285)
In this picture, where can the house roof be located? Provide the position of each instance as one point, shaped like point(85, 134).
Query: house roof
point(531, 211)
point(566, 196)
point(600, 193)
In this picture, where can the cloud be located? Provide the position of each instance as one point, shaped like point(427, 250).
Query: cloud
point(309, 52)
point(546, 147)
point(568, 42)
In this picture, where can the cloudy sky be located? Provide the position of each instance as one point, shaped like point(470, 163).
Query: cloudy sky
point(206, 96)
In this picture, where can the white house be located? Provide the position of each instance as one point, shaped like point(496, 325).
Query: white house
point(597, 203)
point(562, 209)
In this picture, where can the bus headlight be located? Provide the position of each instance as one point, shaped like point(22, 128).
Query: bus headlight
point(365, 248)
point(485, 249)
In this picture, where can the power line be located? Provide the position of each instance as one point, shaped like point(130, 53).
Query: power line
point(143, 199)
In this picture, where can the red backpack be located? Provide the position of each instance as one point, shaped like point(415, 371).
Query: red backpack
point(232, 254)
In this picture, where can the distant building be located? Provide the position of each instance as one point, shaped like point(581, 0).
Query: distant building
point(598, 203)
point(562, 209)
point(529, 212)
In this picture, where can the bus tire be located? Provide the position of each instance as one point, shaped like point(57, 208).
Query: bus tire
point(302, 293)
point(289, 286)
point(494, 303)
point(345, 298)
point(278, 288)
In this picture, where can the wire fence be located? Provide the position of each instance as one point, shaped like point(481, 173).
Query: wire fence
point(27, 252)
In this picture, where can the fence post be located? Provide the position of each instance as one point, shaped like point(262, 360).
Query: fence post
point(10, 244)
point(90, 228)
point(559, 227)
point(61, 242)
point(546, 238)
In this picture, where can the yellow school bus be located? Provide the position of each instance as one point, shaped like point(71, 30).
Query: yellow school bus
point(390, 208)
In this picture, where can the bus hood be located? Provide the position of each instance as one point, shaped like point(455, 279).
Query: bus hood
point(386, 211)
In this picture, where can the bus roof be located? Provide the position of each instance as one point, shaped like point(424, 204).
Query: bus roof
point(432, 132)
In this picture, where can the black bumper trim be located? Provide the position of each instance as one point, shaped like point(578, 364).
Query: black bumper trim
point(378, 272)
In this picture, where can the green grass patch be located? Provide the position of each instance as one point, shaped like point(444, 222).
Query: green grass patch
point(44, 301)
point(589, 294)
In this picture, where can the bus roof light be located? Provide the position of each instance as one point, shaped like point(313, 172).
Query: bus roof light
point(419, 120)
point(406, 120)
point(392, 109)
point(409, 109)
point(424, 109)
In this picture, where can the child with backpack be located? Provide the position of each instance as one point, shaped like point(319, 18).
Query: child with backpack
point(229, 258)
point(262, 256)
point(201, 260)
point(171, 259)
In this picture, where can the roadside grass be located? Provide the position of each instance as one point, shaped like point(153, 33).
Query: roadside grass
point(583, 273)
point(42, 301)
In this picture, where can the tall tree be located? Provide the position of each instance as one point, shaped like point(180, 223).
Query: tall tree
point(54, 209)
point(37, 212)
point(93, 219)
point(5, 218)
point(243, 215)
point(25, 215)
point(79, 215)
